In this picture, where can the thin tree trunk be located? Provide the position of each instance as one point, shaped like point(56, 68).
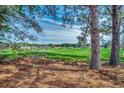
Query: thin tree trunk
point(114, 56)
point(95, 37)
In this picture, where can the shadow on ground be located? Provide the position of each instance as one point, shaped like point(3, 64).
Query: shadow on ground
point(42, 73)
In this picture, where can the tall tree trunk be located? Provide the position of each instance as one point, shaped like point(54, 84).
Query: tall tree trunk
point(114, 56)
point(95, 37)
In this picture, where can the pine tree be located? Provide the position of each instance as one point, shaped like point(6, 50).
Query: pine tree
point(95, 37)
point(114, 56)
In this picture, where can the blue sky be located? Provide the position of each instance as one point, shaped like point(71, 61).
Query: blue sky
point(54, 33)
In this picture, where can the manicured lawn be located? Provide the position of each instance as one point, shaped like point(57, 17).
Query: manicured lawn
point(71, 54)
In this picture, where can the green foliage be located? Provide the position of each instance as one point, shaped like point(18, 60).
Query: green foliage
point(6, 28)
point(18, 9)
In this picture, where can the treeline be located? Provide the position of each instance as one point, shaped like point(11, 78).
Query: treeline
point(19, 45)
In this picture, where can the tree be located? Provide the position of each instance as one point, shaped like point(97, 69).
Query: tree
point(95, 37)
point(114, 56)
point(16, 22)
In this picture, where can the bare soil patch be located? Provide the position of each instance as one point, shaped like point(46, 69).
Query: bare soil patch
point(40, 72)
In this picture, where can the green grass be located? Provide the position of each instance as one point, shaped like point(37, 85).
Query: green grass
point(71, 54)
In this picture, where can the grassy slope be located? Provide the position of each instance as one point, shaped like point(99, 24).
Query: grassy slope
point(73, 54)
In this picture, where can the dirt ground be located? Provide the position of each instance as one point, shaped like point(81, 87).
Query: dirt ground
point(44, 73)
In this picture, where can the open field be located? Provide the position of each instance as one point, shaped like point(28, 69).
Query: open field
point(66, 54)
